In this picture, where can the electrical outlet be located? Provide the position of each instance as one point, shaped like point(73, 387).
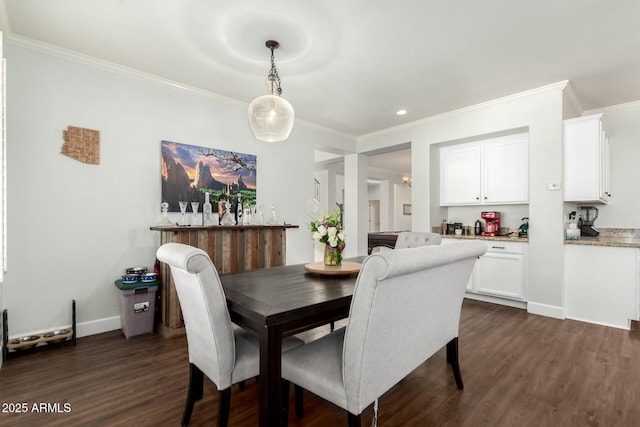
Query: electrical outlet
point(553, 186)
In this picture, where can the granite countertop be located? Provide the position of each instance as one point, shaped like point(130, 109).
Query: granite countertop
point(513, 237)
point(618, 237)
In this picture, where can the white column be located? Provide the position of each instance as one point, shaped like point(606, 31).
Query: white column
point(386, 196)
point(356, 205)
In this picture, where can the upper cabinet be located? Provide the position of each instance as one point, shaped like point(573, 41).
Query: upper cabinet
point(488, 172)
point(586, 160)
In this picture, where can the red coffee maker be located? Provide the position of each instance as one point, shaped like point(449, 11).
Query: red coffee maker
point(492, 223)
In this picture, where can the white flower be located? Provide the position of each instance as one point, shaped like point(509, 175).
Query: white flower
point(316, 236)
point(322, 230)
point(332, 231)
point(333, 241)
point(341, 236)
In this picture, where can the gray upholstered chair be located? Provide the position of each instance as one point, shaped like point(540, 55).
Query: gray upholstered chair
point(224, 352)
point(405, 307)
point(413, 239)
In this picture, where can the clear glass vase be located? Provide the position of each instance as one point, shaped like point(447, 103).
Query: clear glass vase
point(332, 256)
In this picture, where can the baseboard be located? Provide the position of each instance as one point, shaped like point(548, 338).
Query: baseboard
point(626, 325)
point(546, 310)
point(98, 326)
point(496, 300)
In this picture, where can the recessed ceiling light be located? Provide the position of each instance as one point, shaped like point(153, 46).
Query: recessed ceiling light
point(401, 112)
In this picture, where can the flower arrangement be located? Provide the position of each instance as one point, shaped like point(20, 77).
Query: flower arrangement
point(328, 230)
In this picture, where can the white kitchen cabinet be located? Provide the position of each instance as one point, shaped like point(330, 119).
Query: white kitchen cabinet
point(501, 272)
point(586, 160)
point(460, 175)
point(487, 172)
point(601, 284)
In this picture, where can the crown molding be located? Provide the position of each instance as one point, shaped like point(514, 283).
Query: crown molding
point(91, 61)
point(561, 85)
point(101, 64)
point(572, 99)
point(613, 108)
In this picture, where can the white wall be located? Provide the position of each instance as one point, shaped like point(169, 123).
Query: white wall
point(540, 112)
point(75, 227)
point(402, 196)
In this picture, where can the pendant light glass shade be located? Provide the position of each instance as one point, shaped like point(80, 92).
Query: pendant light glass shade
point(270, 116)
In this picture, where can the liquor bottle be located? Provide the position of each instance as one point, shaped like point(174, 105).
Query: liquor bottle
point(239, 210)
point(206, 211)
point(246, 215)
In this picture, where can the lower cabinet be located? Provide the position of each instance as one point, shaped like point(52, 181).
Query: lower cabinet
point(602, 284)
point(501, 272)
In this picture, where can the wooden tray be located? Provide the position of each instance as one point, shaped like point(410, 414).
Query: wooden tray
point(345, 269)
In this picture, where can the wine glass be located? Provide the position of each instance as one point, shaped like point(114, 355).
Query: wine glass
point(183, 210)
point(261, 214)
point(194, 208)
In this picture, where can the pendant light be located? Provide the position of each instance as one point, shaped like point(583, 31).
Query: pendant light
point(270, 116)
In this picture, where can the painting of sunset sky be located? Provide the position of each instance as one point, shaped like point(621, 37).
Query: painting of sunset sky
point(189, 171)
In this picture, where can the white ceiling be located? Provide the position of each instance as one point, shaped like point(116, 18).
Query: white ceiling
point(349, 65)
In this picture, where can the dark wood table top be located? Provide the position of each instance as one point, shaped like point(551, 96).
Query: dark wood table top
point(287, 296)
point(280, 301)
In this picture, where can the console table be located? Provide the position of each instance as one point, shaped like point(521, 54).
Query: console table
point(232, 249)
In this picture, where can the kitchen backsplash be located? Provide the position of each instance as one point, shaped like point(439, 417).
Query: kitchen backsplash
point(510, 215)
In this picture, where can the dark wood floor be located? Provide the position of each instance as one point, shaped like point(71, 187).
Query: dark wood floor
point(518, 370)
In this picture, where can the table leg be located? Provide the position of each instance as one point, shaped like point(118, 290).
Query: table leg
point(270, 377)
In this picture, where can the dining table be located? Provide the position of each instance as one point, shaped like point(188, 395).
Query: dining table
point(282, 301)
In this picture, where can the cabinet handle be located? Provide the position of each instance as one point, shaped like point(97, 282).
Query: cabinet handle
point(498, 247)
point(485, 197)
point(477, 198)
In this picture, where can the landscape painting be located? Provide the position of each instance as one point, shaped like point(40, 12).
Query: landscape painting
point(189, 171)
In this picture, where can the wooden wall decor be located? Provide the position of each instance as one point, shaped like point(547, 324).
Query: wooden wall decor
point(81, 144)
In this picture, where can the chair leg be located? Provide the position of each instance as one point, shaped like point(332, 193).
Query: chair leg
point(194, 392)
point(353, 420)
point(452, 357)
point(285, 402)
point(224, 406)
point(299, 402)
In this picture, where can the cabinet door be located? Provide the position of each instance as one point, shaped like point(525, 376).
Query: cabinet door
point(460, 175)
point(505, 171)
point(586, 160)
point(500, 274)
point(605, 171)
point(602, 284)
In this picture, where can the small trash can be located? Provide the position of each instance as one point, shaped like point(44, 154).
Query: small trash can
point(137, 307)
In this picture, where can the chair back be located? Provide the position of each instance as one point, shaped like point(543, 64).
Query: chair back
point(414, 239)
point(204, 309)
point(406, 306)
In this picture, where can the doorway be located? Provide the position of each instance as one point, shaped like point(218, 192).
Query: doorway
point(374, 216)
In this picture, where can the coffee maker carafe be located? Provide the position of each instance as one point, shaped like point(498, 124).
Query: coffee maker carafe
point(588, 215)
point(492, 223)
